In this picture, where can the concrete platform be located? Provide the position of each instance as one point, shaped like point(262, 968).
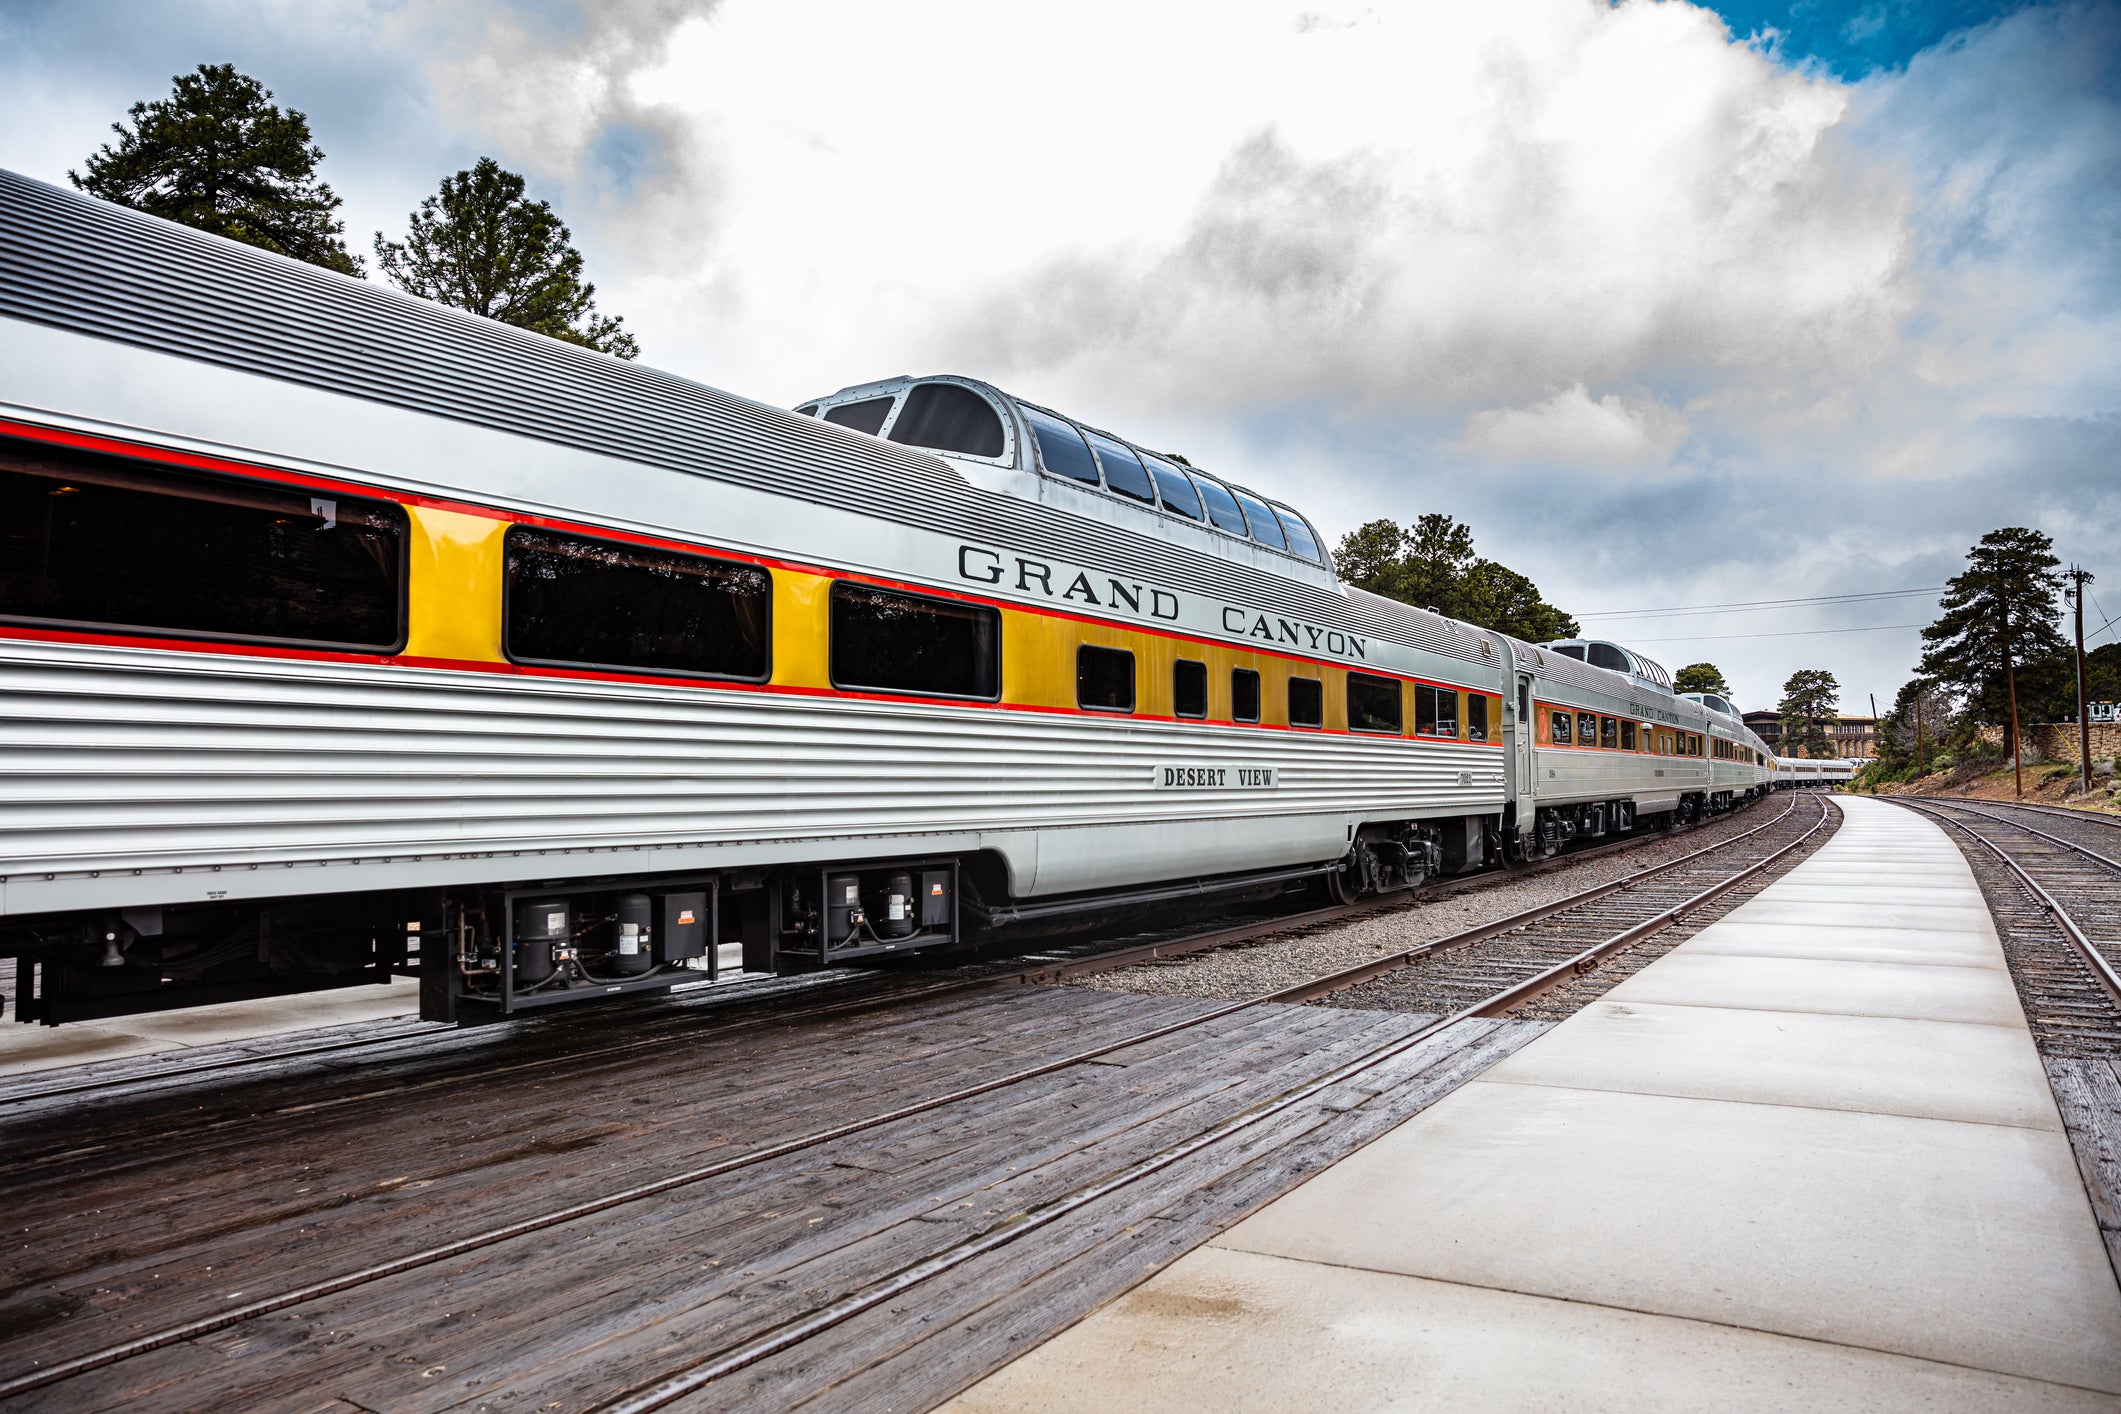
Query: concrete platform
point(1808, 1160)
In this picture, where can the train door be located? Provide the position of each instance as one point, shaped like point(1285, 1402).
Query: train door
point(1518, 734)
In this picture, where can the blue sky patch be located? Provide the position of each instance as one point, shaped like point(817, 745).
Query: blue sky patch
point(1853, 39)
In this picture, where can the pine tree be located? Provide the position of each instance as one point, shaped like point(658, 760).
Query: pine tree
point(1998, 614)
point(1810, 699)
point(479, 244)
point(1701, 677)
point(1431, 564)
point(218, 155)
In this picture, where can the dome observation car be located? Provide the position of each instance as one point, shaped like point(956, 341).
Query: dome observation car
point(1600, 653)
point(978, 425)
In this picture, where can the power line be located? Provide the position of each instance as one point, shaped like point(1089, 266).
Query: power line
point(1793, 633)
point(1754, 605)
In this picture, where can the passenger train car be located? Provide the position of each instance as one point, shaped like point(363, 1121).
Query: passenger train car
point(345, 635)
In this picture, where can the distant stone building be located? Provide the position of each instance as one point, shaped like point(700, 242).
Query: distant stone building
point(1855, 738)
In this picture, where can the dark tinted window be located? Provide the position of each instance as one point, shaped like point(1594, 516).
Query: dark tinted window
point(1477, 717)
point(1571, 650)
point(950, 419)
point(1373, 704)
point(886, 642)
point(1307, 703)
point(1244, 695)
point(1627, 736)
point(808, 410)
point(1265, 528)
point(602, 604)
point(1189, 688)
point(1301, 541)
point(1222, 506)
point(1104, 679)
point(1435, 711)
point(1605, 655)
point(1563, 733)
point(1608, 733)
point(865, 416)
point(1123, 470)
point(1061, 447)
point(128, 545)
point(1180, 499)
point(1586, 729)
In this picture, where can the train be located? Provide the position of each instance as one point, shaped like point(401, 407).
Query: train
point(345, 636)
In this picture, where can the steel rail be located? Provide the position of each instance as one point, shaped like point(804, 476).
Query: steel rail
point(411, 1261)
point(1377, 967)
point(2102, 971)
point(691, 1380)
point(2087, 852)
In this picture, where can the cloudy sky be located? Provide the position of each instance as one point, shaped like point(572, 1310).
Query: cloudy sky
point(1677, 306)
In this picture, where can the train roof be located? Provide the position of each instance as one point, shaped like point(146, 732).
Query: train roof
point(1602, 653)
point(971, 421)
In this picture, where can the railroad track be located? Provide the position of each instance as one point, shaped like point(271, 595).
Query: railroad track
point(2057, 903)
point(1545, 946)
point(136, 1077)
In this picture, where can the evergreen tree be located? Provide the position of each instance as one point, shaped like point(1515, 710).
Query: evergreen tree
point(1431, 564)
point(479, 244)
point(1498, 597)
point(1998, 613)
point(218, 155)
point(1701, 677)
point(1897, 735)
point(1810, 699)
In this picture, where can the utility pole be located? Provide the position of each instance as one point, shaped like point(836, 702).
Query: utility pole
point(2010, 676)
point(1874, 724)
point(2084, 711)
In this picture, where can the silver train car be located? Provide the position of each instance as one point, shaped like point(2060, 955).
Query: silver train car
point(1801, 773)
point(343, 635)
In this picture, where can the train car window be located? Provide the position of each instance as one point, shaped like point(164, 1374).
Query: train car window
point(807, 410)
point(122, 544)
point(1104, 679)
point(1124, 471)
point(949, 419)
point(1060, 447)
point(865, 416)
point(1301, 541)
point(1223, 510)
point(1571, 650)
point(1605, 655)
point(1608, 733)
point(1189, 689)
point(1244, 695)
point(1627, 736)
point(1435, 711)
point(888, 642)
point(1179, 497)
point(1265, 528)
point(1374, 704)
point(1587, 729)
point(576, 602)
point(1307, 702)
point(1477, 717)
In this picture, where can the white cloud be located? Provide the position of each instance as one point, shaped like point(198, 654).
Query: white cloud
point(1570, 428)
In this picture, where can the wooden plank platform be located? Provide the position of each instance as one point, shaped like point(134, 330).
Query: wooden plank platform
point(139, 1212)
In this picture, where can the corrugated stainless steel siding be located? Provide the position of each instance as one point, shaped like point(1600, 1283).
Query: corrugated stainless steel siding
point(116, 760)
point(76, 263)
